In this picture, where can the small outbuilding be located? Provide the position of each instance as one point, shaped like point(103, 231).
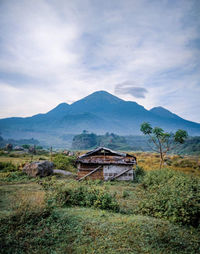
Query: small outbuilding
point(106, 164)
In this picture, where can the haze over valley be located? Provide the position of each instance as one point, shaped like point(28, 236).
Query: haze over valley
point(99, 112)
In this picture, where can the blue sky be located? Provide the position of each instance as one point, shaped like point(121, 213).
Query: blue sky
point(54, 51)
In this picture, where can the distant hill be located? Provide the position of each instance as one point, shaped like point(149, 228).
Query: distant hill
point(99, 112)
point(87, 141)
point(162, 112)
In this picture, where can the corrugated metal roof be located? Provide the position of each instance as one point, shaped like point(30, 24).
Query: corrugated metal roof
point(105, 149)
point(110, 157)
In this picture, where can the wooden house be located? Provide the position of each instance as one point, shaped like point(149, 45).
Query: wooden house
point(105, 164)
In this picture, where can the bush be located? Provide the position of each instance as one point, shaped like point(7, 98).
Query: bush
point(154, 178)
point(125, 194)
point(7, 167)
point(171, 195)
point(64, 162)
point(139, 174)
point(186, 163)
point(13, 176)
point(82, 195)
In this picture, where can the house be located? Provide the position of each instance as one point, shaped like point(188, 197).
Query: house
point(105, 164)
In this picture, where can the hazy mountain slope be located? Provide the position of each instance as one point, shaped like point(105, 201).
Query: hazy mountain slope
point(59, 111)
point(99, 112)
point(160, 111)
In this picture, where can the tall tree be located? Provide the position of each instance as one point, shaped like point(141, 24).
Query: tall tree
point(162, 141)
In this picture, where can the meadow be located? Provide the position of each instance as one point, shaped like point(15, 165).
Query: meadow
point(157, 213)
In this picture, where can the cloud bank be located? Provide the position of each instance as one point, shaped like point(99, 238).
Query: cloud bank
point(128, 87)
point(56, 51)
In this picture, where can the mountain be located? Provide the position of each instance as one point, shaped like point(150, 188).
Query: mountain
point(59, 111)
point(160, 111)
point(98, 112)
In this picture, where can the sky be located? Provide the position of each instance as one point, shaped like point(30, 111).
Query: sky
point(54, 51)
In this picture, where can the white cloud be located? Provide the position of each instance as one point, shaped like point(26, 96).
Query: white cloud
point(129, 87)
point(54, 51)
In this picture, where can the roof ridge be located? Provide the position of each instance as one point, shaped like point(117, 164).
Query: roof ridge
point(103, 148)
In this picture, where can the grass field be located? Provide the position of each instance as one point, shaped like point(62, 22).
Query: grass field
point(149, 161)
point(30, 225)
point(87, 230)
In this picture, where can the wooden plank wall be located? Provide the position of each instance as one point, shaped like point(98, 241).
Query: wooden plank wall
point(96, 175)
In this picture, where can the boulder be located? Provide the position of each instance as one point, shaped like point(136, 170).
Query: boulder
point(18, 148)
point(39, 168)
point(62, 172)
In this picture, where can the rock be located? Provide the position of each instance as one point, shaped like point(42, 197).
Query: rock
point(39, 168)
point(18, 148)
point(62, 172)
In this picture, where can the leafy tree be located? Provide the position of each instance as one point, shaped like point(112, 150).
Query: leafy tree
point(84, 141)
point(163, 142)
point(25, 146)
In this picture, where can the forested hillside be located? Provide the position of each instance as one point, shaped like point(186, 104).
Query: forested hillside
point(88, 140)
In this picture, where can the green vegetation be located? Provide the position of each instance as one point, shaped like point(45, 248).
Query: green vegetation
point(139, 174)
point(10, 172)
point(90, 140)
point(7, 167)
point(171, 195)
point(191, 146)
point(80, 194)
point(19, 142)
point(83, 230)
point(86, 140)
point(64, 162)
point(162, 142)
point(157, 213)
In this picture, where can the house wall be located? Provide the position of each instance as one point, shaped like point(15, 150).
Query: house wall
point(106, 172)
point(84, 169)
point(113, 170)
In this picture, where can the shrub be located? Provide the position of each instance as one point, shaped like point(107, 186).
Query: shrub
point(13, 176)
point(139, 174)
point(10, 172)
point(47, 183)
point(186, 163)
point(171, 195)
point(82, 195)
point(125, 194)
point(14, 155)
point(154, 178)
point(64, 162)
point(7, 167)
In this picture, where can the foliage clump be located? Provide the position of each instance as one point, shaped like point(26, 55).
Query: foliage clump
point(139, 174)
point(162, 142)
point(90, 140)
point(7, 167)
point(171, 195)
point(64, 162)
point(11, 173)
point(81, 194)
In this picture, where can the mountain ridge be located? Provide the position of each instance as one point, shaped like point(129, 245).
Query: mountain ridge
point(98, 112)
point(164, 112)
